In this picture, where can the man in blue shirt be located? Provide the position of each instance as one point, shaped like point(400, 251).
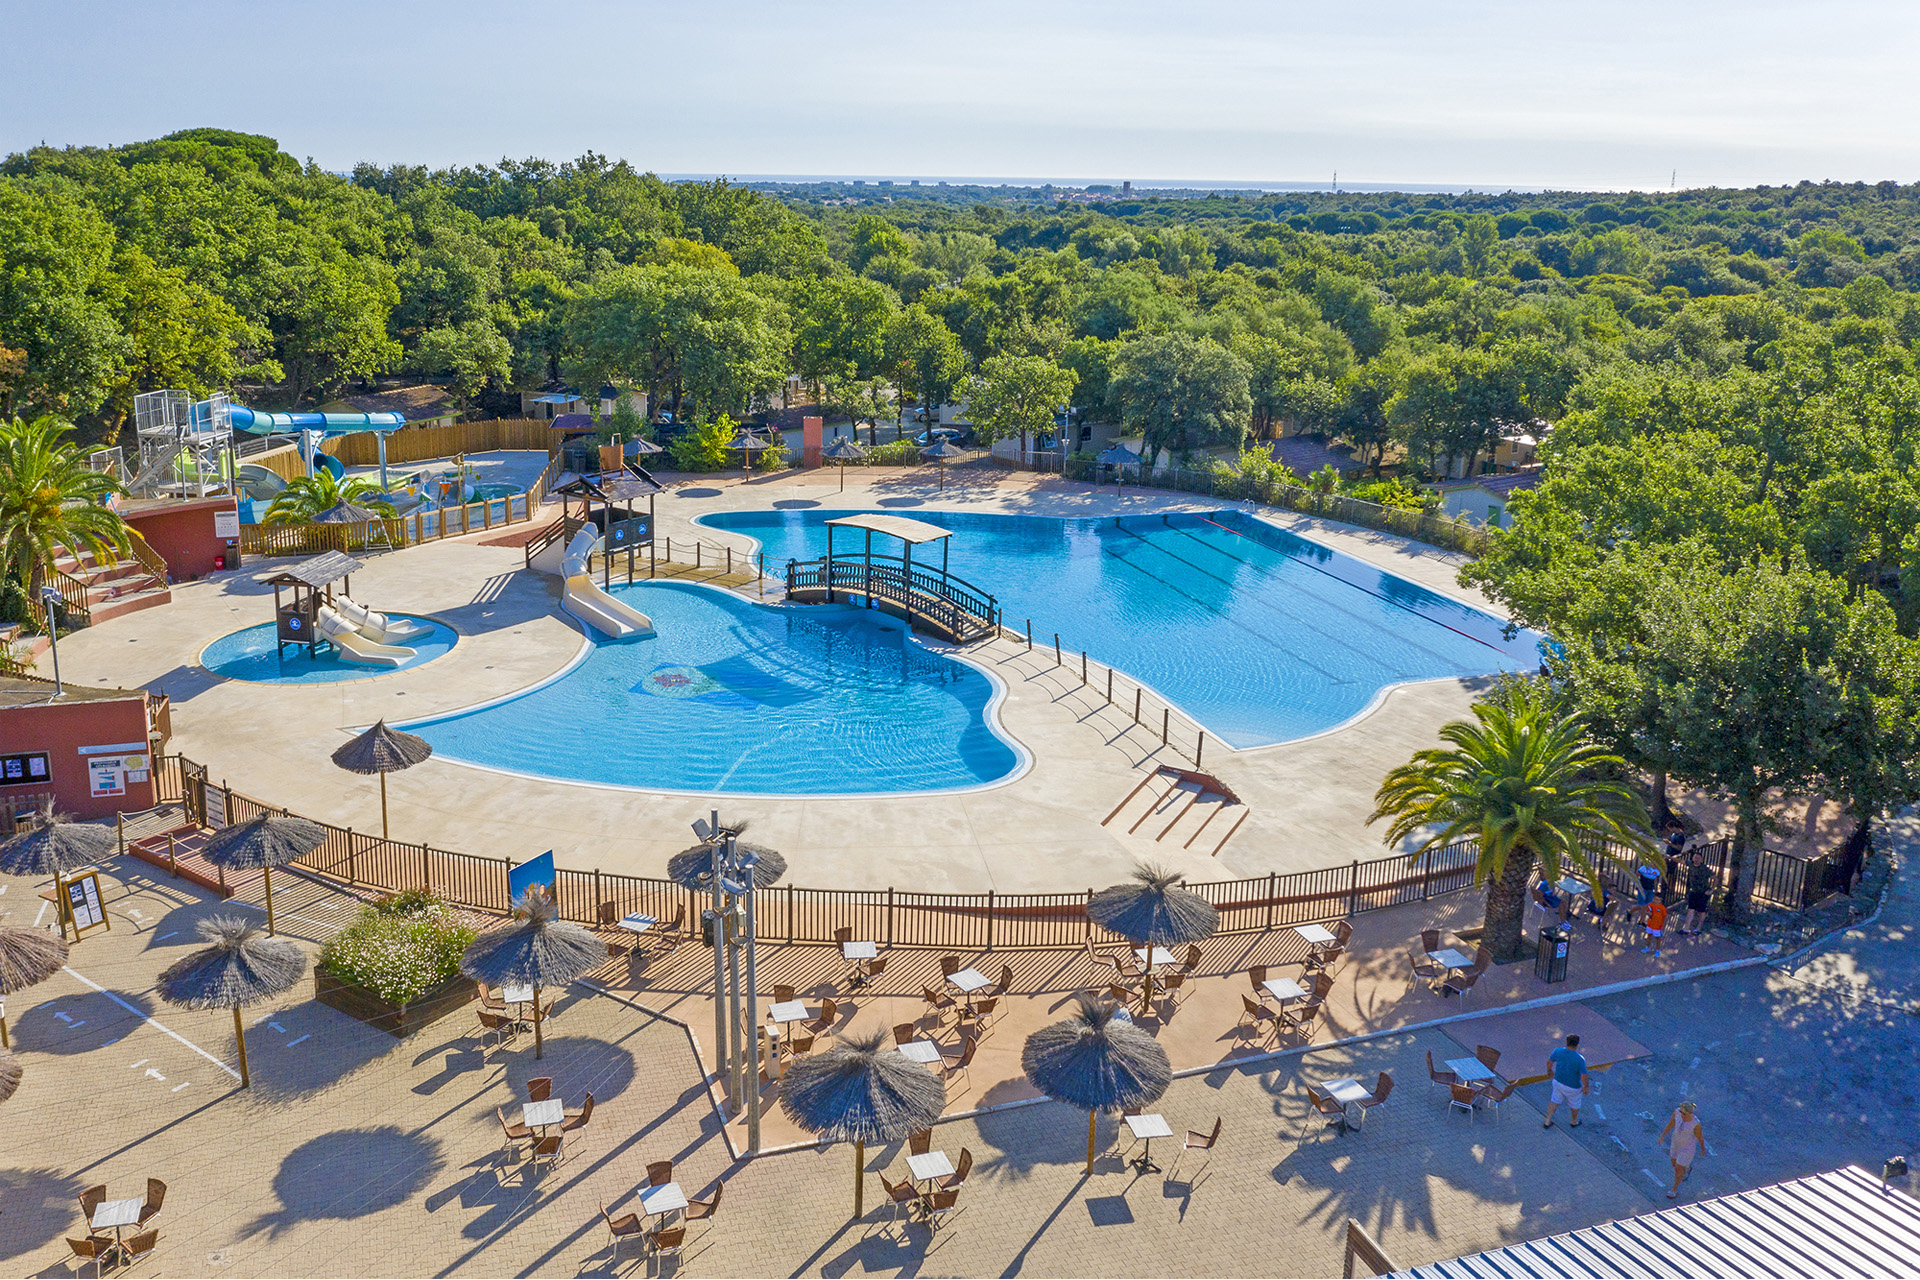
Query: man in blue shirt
point(1569, 1081)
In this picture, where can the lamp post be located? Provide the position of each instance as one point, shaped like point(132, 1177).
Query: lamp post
point(737, 1038)
point(50, 596)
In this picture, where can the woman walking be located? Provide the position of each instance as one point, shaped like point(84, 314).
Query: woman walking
point(1687, 1137)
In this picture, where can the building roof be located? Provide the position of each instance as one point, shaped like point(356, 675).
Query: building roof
point(1832, 1224)
point(1304, 455)
point(911, 531)
point(571, 421)
point(423, 401)
point(1507, 482)
point(318, 572)
point(612, 486)
point(32, 691)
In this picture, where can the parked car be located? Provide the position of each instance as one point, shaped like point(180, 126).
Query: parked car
point(959, 437)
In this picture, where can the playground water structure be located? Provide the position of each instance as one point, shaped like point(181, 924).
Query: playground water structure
point(254, 655)
point(1261, 636)
point(732, 697)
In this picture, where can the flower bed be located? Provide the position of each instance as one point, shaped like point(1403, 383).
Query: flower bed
point(397, 967)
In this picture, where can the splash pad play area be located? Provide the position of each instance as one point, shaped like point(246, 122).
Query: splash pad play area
point(320, 635)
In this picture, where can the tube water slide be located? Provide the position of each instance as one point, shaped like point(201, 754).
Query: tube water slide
point(583, 598)
point(333, 424)
point(354, 647)
point(377, 626)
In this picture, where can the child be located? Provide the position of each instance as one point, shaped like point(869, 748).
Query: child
point(1656, 925)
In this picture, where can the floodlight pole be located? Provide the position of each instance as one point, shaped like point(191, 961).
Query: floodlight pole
point(733, 990)
point(753, 1019)
point(719, 921)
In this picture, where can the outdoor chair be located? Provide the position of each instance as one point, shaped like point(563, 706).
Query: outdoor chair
point(1300, 1017)
point(969, 1045)
point(939, 1003)
point(949, 965)
point(673, 933)
point(905, 1032)
point(1489, 1057)
point(1482, 961)
point(511, 1132)
point(1459, 982)
point(1342, 932)
point(980, 1016)
point(782, 994)
point(699, 1210)
point(1439, 1077)
point(93, 1249)
point(902, 1193)
point(958, 1178)
point(843, 935)
point(659, 1173)
point(1327, 1106)
point(133, 1252)
point(1323, 986)
point(1120, 995)
point(1253, 1013)
point(1382, 1086)
point(623, 1228)
point(1255, 976)
point(1005, 984)
point(90, 1200)
point(617, 941)
point(539, 1088)
point(1494, 1097)
point(1174, 988)
point(548, 1149)
point(1111, 962)
point(1424, 970)
point(1197, 1141)
point(156, 1196)
point(1429, 939)
point(796, 1045)
point(1192, 961)
point(1460, 1098)
point(1325, 959)
point(829, 1017)
point(577, 1117)
point(875, 967)
point(935, 1208)
point(668, 1240)
point(919, 1142)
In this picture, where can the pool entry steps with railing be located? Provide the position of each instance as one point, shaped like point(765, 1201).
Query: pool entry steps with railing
point(931, 599)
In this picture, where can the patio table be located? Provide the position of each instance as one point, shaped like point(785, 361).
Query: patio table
point(637, 923)
point(968, 981)
point(1315, 934)
point(538, 1115)
point(118, 1214)
point(1148, 1127)
point(929, 1165)
point(922, 1051)
point(857, 954)
point(663, 1199)
point(1471, 1070)
point(1353, 1095)
point(1284, 989)
point(1450, 958)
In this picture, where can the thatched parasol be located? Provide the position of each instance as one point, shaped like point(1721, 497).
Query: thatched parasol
point(1154, 911)
point(1094, 1060)
point(268, 841)
point(858, 1092)
point(27, 956)
point(693, 868)
point(1119, 457)
point(347, 513)
point(539, 950)
point(747, 442)
point(640, 447)
point(843, 450)
point(242, 967)
point(54, 847)
point(383, 751)
point(10, 1073)
point(940, 451)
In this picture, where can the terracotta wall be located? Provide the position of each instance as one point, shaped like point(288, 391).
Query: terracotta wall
point(182, 534)
point(61, 729)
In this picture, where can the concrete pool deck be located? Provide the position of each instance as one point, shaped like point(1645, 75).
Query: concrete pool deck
point(1308, 800)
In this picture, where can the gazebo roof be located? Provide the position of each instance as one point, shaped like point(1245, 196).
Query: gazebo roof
point(317, 572)
point(612, 486)
point(913, 531)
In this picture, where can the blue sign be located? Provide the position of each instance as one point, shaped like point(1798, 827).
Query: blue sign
point(534, 871)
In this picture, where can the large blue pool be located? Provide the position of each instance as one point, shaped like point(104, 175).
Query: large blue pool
point(1260, 635)
point(732, 696)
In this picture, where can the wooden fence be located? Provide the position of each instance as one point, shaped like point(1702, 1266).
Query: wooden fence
point(419, 444)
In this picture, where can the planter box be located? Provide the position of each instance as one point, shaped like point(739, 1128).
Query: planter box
point(394, 1019)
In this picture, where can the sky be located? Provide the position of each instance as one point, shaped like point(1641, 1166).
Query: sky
point(1493, 94)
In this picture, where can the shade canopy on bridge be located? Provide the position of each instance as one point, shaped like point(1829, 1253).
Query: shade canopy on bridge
point(912, 531)
point(950, 607)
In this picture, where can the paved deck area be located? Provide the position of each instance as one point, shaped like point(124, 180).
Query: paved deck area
point(1308, 799)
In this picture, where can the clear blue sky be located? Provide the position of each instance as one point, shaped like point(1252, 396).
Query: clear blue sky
point(1521, 92)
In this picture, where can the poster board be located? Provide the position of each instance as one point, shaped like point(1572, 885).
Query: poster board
point(105, 776)
point(84, 904)
point(22, 768)
point(226, 524)
point(534, 871)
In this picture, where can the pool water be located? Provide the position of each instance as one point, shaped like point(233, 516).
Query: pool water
point(252, 655)
point(735, 697)
point(492, 492)
point(1258, 634)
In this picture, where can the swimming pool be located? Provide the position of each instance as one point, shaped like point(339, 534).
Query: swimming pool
point(736, 697)
point(1260, 635)
point(252, 655)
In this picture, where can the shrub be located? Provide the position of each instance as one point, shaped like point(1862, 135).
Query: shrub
point(1392, 493)
point(705, 447)
point(894, 453)
point(400, 947)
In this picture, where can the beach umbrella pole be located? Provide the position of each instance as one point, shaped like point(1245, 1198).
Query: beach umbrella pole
point(266, 878)
point(1092, 1116)
point(859, 1180)
point(383, 808)
point(538, 1047)
point(240, 1039)
point(5, 1041)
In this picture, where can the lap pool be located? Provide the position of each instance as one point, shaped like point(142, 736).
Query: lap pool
point(1258, 634)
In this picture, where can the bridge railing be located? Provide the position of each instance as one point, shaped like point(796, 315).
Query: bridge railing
point(950, 602)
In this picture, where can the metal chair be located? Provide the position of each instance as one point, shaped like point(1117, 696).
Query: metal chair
point(905, 1032)
point(577, 1117)
point(939, 1003)
point(1429, 940)
point(980, 1015)
point(511, 1132)
point(1197, 1141)
point(1489, 1057)
point(1442, 1078)
point(958, 1067)
point(958, 1178)
point(627, 1226)
point(156, 1196)
point(1424, 970)
point(698, 1210)
point(949, 965)
point(1254, 1014)
point(828, 1019)
point(668, 1240)
point(782, 994)
point(94, 1249)
point(919, 1142)
point(133, 1252)
point(1328, 1107)
point(90, 1200)
point(935, 1208)
point(901, 1193)
point(1460, 1098)
point(659, 1173)
point(548, 1149)
point(539, 1088)
point(1494, 1097)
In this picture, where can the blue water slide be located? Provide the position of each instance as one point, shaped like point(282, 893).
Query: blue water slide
point(332, 424)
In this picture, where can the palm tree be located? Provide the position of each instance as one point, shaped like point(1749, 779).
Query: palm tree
point(51, 499)
point(306, 497)
point(1526, 784)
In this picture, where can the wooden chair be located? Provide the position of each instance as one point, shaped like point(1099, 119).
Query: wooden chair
point(1342, 932)
point(511, 1132)
point(668, 1241)
point(1255, 976)
point(1424, 970)
point(905, 1032)
point(939, 1003)
point(1460, 1098)
point(980, 1016)
point(1174, 988)
point(496, 1024)
point(919, 1142)
point(1482, 961)
point(1120, 995)
point(90, 1200)
point(94, 1249)
point(935, 1208)
point(659, 1173)
point(875, 967)
point(548, 1148)
point(828, 1019)
point(623, 1228)
point(539, 1088)
point(782, 994)
point(1322, 986)
point(958, 1067)
point(1299, 1017)
point(699, 1210)
point(1197, 1141)
point(1382, 1086)
point(843, 935)
point(899, 1194)
point(1253, 1013)
point(1429, 939)
point(1324, 960)
point(1494, 1097)
point(1442, 1078)
point(133, 1252)
point(1460, 981)
point(608, 917)
point(1489, 1057)
point(577, 1117)
point(1192, 961)
point(958, 1178)
point(1328, 1107)
point(156, 1196)
point(795, 1045)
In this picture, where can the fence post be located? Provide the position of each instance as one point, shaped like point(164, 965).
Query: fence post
point(351, 878)
point(696, 553)
point(789, 915)
point(1088, 911)
point(1199, 745)
point(1056, 648)
point(1109, 686)
point(1165, 717)
point(889, 915)
point(173, 860)
point(1136, 704)
point(596, 896)
point(1353, 889)
point(426, 868)
point(729, 559)
point(1271, 889)
point(1029, 635)
point(1083, 666)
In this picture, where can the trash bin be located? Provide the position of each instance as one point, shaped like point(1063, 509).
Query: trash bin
point(1550, 961)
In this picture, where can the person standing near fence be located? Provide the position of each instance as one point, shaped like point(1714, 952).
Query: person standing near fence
point(1699, 892)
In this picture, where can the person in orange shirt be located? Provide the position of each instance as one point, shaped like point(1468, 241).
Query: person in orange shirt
point(1656, 926)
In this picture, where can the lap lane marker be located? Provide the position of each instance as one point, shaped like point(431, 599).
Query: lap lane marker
point(144, 1018)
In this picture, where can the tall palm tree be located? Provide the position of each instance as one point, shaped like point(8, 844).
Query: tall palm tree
point(51, 499)
point(1527, 785)
point(306, 497)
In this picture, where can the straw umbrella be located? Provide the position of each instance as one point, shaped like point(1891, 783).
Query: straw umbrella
point(858, 1092)
point(693, 868)
point(746, 442)
point(940, 451)
point(55, 847)
point(268, 841)
point(242, 967)
point(843, 450)
point(1154, 911)
point(383, 751)
point(27, 956)
point(1093, 1060)
point(346, 513)
point(1118, 457)
point(10, 1073)
point(539, 950)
